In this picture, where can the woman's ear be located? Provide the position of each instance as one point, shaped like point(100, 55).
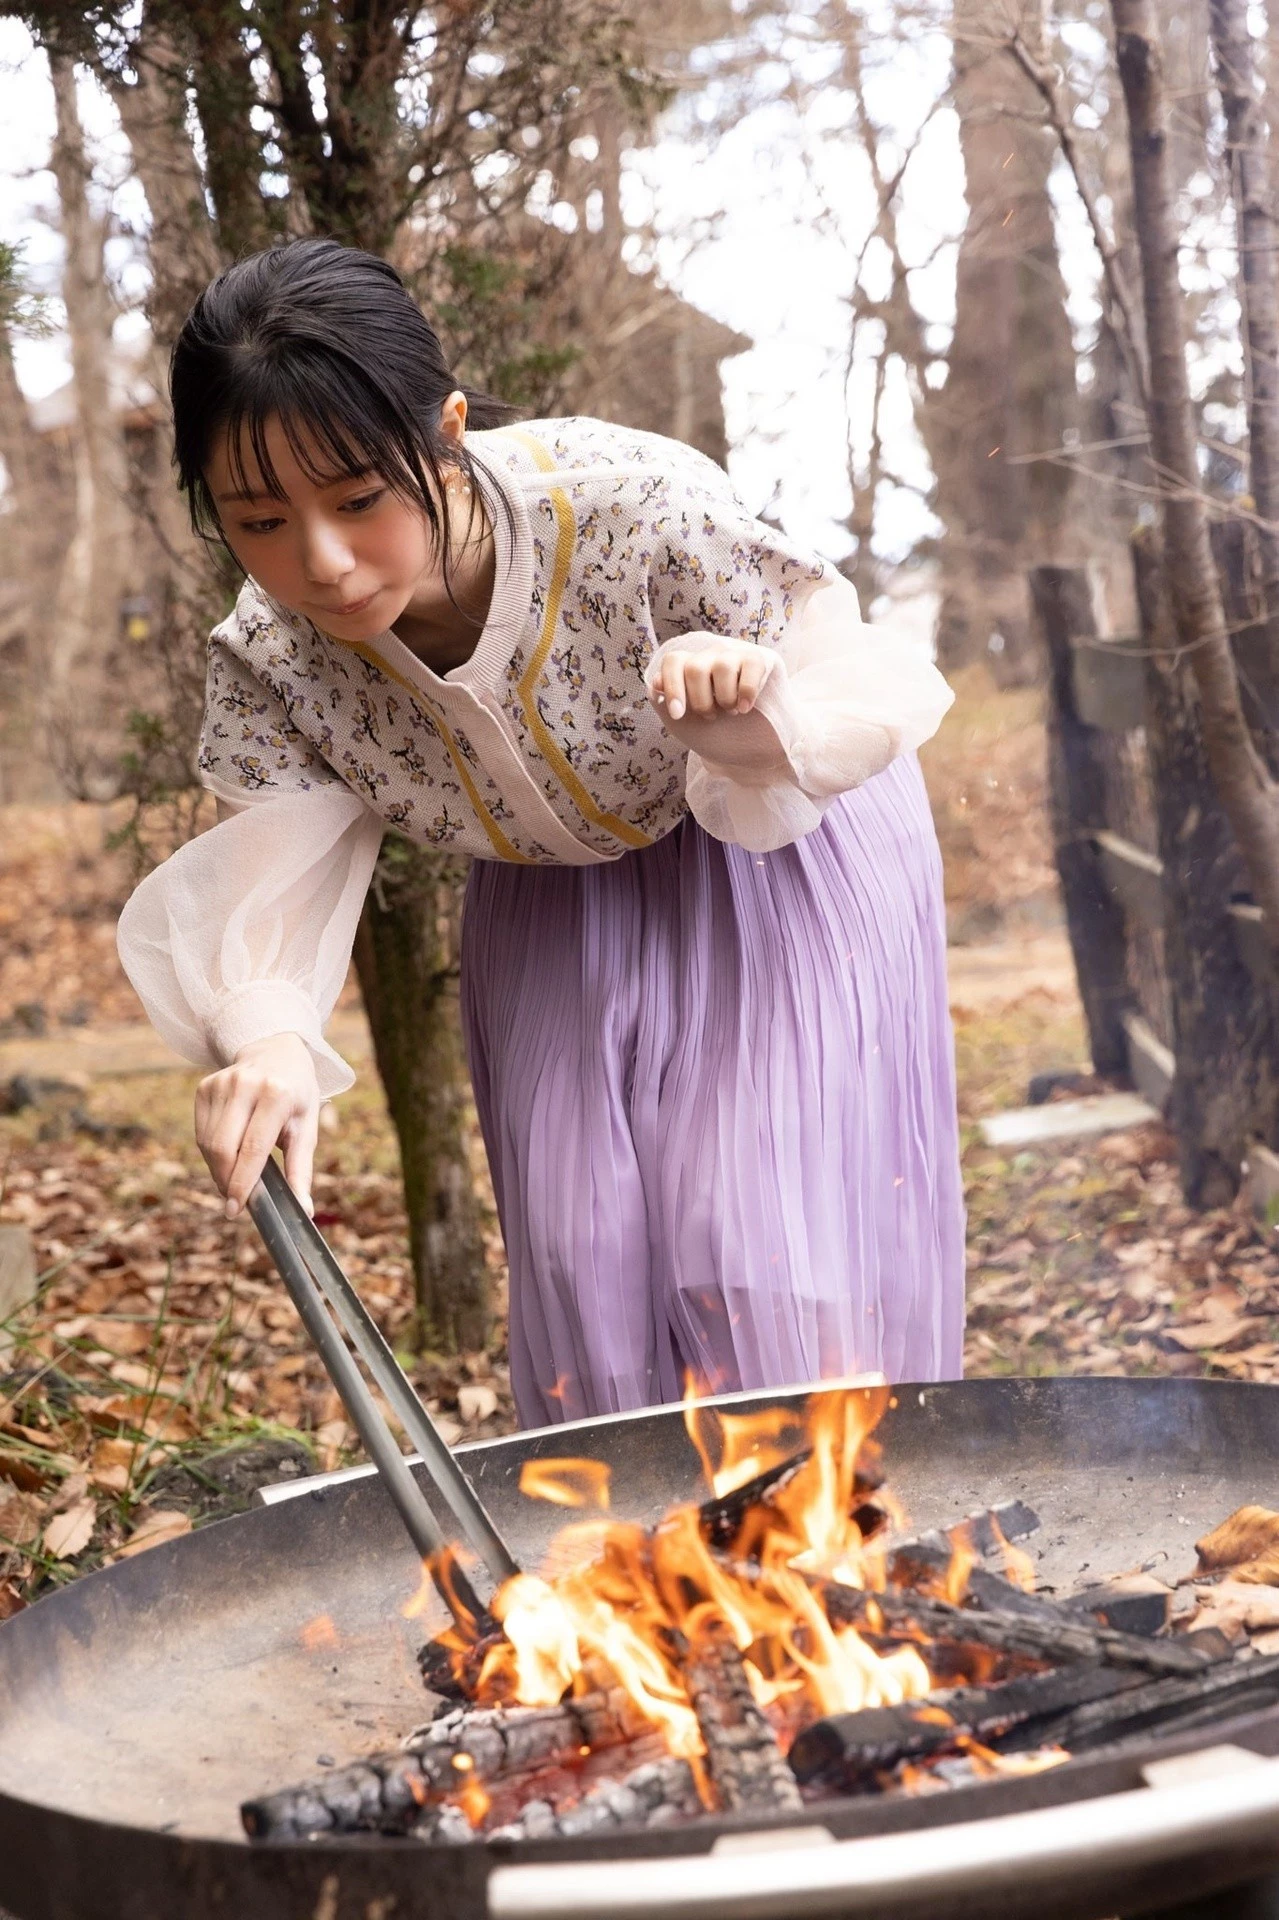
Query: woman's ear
point(453, 416)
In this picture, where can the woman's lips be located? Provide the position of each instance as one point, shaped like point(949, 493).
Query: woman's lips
point(352, 607)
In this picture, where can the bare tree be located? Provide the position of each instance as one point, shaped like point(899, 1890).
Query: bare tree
point(1257, 230)
point(1247, 791)
point(86, 613)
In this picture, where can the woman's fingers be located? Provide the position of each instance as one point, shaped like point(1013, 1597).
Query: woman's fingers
point(725, 679)
point(272, 1112)
point(755, 670)
point(672, 684)
point(300, 1136)
point(270, 1094)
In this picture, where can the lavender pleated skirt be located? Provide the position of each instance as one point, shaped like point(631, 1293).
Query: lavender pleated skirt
point(717, 1091)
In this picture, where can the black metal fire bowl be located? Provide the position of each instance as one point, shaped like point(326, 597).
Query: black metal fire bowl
point(140, 1706)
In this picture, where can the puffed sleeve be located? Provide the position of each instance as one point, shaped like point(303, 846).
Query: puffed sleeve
point(842, 698)
point(247, 931)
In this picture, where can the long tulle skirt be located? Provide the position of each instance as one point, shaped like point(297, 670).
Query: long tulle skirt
point(717, 1091)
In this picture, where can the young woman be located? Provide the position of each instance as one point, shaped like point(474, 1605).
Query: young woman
point(703, 948)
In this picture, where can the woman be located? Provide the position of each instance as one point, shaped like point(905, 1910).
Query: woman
point(703, 949)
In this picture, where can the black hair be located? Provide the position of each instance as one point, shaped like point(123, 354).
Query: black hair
point(328, 341)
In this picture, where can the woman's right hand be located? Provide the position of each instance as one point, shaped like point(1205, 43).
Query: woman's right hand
point(268, 1094)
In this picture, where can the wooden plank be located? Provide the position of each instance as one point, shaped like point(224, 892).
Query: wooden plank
point(1134, 877)
point(1067, 1120)
point(1063, 604)
point(1250, 937)
point(1110, 683)
point(1151, 1065)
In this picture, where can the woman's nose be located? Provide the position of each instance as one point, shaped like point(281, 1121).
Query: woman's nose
point(326, 555)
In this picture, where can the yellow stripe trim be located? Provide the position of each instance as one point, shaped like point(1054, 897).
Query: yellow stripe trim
point(501, 845)
point(549, 747)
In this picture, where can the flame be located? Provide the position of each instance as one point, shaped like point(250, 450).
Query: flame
point(1019, 1568)
point(567, 1483)
point(616, 1603)
point(473, 1800)
point(963, 1558)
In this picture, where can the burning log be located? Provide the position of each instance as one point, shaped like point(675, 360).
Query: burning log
point(654, 1795)
point(1053, 1636)
point(384, 1793)
point(851, 1750)
point(745, 1763)
point(721, 1519)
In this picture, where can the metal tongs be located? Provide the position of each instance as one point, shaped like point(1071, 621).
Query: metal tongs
point(329, 1309)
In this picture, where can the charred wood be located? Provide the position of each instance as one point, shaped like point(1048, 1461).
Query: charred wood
point(745, 1763)
point(1144, 1612)
point(1055, 1638)
point(653, 1795)
point(851, 1750)
point(384, 1793)
point(1237, 1686)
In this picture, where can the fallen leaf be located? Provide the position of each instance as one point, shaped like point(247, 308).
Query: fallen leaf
point(113, 1463)
point(154, 1531)
point(1247, 1543)
point(21, 1518)
point(1222, 1330)
point(73, 1489)
point(1238, 1602)
point(476, 1402)
point(69, 1533)
point(11, 1600)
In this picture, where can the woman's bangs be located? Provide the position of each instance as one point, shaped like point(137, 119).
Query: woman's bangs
point(330, 434)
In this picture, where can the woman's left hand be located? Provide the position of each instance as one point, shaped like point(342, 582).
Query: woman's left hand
point(725, 678)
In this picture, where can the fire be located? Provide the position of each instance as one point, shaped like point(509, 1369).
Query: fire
point(566, 1483)
point(615, 1603)
point(1019, 1568)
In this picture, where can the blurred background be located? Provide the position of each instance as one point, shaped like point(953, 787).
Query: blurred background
point(885, 262)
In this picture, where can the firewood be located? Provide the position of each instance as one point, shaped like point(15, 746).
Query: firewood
point(1141, 1605)
point(383, 1793)
point(655, 1794)
point(1053, 1637)
point(743, 1759)
point(851, 1750)
point(1232, 1687)
point(721, 1518)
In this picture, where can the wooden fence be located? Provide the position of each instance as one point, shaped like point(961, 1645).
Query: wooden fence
point(1177, 979)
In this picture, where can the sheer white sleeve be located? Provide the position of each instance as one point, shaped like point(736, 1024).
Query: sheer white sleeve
point(247, 931)
point(841, 701)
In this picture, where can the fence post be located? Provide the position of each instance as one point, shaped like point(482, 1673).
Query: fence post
point(1061, 600)
point(1226, 1088)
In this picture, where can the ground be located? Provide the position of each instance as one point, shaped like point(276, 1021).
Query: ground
point(160, 1337)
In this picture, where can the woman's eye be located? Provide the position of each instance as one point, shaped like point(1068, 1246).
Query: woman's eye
point(260, 526)
point(363, 501)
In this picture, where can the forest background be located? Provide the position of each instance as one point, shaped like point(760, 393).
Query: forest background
point(883, 261)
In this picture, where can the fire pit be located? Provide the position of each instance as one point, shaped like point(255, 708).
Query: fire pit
point(143, 1705)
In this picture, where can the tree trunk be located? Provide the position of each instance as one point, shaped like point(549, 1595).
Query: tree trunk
point(1226, 1088)
point(1257, 239)
point(1011, 384)
point(1062, 603)
point(406, 954)
point(1248, 794)
point(182, 242)
point(86, 614)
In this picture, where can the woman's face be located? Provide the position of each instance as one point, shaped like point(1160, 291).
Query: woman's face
point(350, 554)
